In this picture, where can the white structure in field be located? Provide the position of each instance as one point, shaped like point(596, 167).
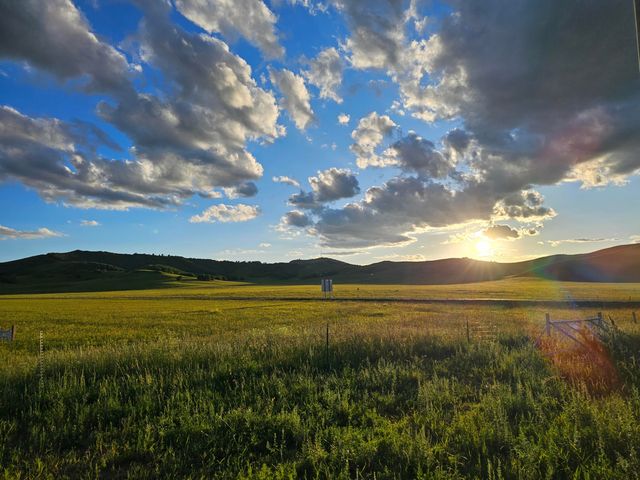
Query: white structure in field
point(327, 287)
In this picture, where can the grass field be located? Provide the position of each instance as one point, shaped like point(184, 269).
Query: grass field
point(217, 380)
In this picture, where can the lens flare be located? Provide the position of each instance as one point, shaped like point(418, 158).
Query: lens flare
point(484, 248)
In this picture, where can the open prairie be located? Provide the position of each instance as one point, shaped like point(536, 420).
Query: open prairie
point(212, 379)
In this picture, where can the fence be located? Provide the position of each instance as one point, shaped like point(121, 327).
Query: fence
point(8, 335)
point(482, 330)
point(579, 332)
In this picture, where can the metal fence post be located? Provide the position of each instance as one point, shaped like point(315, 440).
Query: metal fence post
point(327, 345)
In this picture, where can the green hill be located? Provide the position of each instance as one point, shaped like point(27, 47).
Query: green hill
point(89, 271)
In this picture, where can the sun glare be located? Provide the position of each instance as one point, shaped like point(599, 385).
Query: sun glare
point(484, 248)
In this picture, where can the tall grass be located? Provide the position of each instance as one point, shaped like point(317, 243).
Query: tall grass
point(143, 388)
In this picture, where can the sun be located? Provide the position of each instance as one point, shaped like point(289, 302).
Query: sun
point(484, 248)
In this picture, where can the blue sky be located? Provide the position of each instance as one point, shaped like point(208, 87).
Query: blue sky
point(159, 127)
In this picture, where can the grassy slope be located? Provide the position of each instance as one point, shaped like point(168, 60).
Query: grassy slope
point(176, 383)
point(87, 271)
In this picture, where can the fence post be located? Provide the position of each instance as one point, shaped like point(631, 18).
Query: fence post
point(41, 362)
point(13, 332)
point(327, 345)
point(635, 320)
point(600, 319)
point(468, 333)
point(547, 324)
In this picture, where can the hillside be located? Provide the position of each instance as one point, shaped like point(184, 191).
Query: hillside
point(82, 270)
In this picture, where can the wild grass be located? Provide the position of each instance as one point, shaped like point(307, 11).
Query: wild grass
point(151, 386)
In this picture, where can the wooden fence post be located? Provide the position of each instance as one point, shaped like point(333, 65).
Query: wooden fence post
point(548, 324)
point(600, 319)
point(468, 334)
point(635, 320)
point(13, 332)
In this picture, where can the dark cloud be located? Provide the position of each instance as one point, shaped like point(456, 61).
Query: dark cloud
point(501, 232)
point(525, 206)
point(327, 186)
point(416, 154)
point(305, 200)
point(334, 184)
point(549, 90)
point(296, 218)
point(457, 139)
point(54, 36)
point(247, 189)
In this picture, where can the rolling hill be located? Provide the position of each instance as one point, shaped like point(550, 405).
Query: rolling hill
point(83, 270)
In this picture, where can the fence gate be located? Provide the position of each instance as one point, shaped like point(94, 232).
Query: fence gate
point(482, 330)
point(578, 331)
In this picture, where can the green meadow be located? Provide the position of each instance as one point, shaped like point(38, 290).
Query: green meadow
point(228, 380)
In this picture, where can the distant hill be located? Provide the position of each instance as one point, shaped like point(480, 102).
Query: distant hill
point(87, 271)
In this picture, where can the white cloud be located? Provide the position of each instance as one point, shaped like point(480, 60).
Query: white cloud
point(368, 136)
point(89, 223)
point(187, 140)
point(343, 119)
point(227, 213)
point(250, 18)
point(555, 243)
point(325, 72)
point(286, 180)
point(13, 234)
point(296, 97)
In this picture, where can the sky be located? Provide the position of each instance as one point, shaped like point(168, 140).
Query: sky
point(364, 130)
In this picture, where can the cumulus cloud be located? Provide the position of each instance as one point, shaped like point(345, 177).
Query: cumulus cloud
point(526, 205)
point(333, 184)
point(296, 218)
point(325, 72)
point(90, 223)
point(55, 37)
point(187, 140)
point(571, 115)
point(227, 213)
point(250, 18)
point(343, 119)
point(501, 232)
point(368, 136)
point(287, 181)
point(416, 154)
point(13, 234)
point(246, 189)
point(296, 99)
point(377, 31)
point(46, 155)
point(305, 200)
point(327, 186)
point(524, 122)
